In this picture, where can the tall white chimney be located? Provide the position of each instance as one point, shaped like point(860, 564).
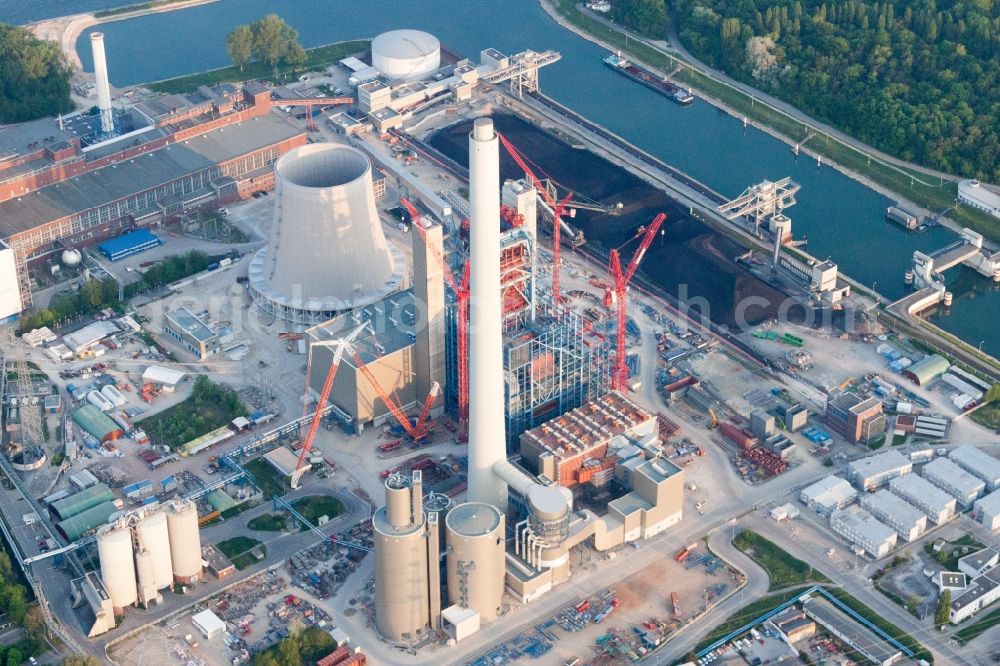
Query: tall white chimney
point(487, 434)
point(103, 87)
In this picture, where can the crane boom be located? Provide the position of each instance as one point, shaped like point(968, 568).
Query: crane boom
point(390, 403)
point(619, 379)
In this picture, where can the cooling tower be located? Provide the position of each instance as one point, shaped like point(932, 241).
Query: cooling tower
point(327, 253)
point(101, 82)
point(185, 540)
point(114, 548)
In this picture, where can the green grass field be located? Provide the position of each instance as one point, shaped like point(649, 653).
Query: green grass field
point(267, 478)
point(238, 549)
point(782, 569)
point(319, 58)
point(316, 506)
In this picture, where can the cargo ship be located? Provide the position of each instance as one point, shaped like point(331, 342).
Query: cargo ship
point(674, 92)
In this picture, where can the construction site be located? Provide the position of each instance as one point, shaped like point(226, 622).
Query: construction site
point(439, 392)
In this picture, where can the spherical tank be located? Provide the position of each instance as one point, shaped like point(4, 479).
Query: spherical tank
point(406, 54)
point(327, 252)
point(185, 540)
point(402, 602)
point(114, 548)
point(154, 537)
point(71, 257)
point(476, 563)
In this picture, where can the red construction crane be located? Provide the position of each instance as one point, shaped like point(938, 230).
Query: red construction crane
point(331, 374)
point(619, 378)
point(461, 291)
point(557, 211)
point(310, 102)
point(418, 430)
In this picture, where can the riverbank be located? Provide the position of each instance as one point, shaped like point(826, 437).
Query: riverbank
point(866, 167)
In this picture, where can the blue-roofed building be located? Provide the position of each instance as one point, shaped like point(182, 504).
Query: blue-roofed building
point(129, 244)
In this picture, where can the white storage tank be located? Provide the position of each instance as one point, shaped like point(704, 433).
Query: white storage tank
point(113, 395)
point(114, 548)
point(185, 540)
point(98, 400)
point(476, 563)
point(152, 535)
point(406, 54)
point(146, 591)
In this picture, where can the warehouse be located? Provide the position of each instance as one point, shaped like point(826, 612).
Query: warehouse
point(864, 531)
point(927, 369)
point(955, 481)
point(908, 521)
point(987, 511)
point(128, 244)
point(979, 464)
point(98, 424)
point(81, 501)
point(876, 471)
point(86, 521)
point(848, 629)
point(166, 378)
point(938, 505)
point(827, 495)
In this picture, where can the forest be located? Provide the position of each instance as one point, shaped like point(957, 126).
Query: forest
point(34, 76)
point(917, 79)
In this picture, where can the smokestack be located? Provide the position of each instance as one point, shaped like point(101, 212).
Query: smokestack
point(103, 87)
point(487, 432)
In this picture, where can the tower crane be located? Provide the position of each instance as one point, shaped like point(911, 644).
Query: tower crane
point(461, 291)
point(557, 208)
point(619, 379)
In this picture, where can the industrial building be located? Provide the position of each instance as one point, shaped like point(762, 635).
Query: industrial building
point(938, 505)
point(955, 481)
point(827, 495)
point(876, 471)
point(908, 521)
point(980, 593)
point(327, 253)
point(984, 197)
point(977, 463)
point(864, 531)
point(96, 423)
point(927, 369)
point(192, 333)
point(986, 511)
point(574, 448)
point(979, 562)
point(859, 420)
point(10, 289)
point(856, 636)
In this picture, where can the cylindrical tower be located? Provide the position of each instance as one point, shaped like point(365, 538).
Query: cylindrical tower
point(153, 535)
point(327, 252)
point(146, 590)
point(185, 540)
point(438, 504)
point(476, 565)
point(114, 548)
point(406, 54)
point(487, 432)
point(101, 82)
point(402, 589)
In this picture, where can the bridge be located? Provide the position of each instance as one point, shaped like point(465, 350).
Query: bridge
point(927, 272)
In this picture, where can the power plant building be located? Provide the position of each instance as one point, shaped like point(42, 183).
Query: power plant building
point(977, 463)
point(938, 505)
point(955, 481)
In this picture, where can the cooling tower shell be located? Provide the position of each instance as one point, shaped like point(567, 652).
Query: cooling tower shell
point(327, 252)
point(152, 533)
point(476, 565)
point(185, 540)
point(406, 54)
point(402, 593)
point(114, 548)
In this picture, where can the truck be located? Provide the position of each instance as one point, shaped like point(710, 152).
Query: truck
point(682, 555)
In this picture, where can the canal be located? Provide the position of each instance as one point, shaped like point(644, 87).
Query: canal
point(841, 218)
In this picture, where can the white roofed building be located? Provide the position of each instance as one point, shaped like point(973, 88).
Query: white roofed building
point(978, 463)
point(955, 481)
point(876, 471)
point(167, 378)
point(908, 521)
point(986, 511)
point(938, 505)
point(827, 495)
point(864, 531)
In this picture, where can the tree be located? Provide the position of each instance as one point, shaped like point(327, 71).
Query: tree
point(239, 44)
point(943, 613)
point(79, 660)
point(34, 76)
point(14, 657)
point(993, 395)
point(273, 39)
point(646, 16)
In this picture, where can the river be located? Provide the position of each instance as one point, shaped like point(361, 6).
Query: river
point(841, 218)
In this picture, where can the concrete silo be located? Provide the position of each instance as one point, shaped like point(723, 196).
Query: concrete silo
point(153, 544)
point(407, 589)
point(185, 540)
point(114, 547)
point(476, 562)
point(327, 253)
